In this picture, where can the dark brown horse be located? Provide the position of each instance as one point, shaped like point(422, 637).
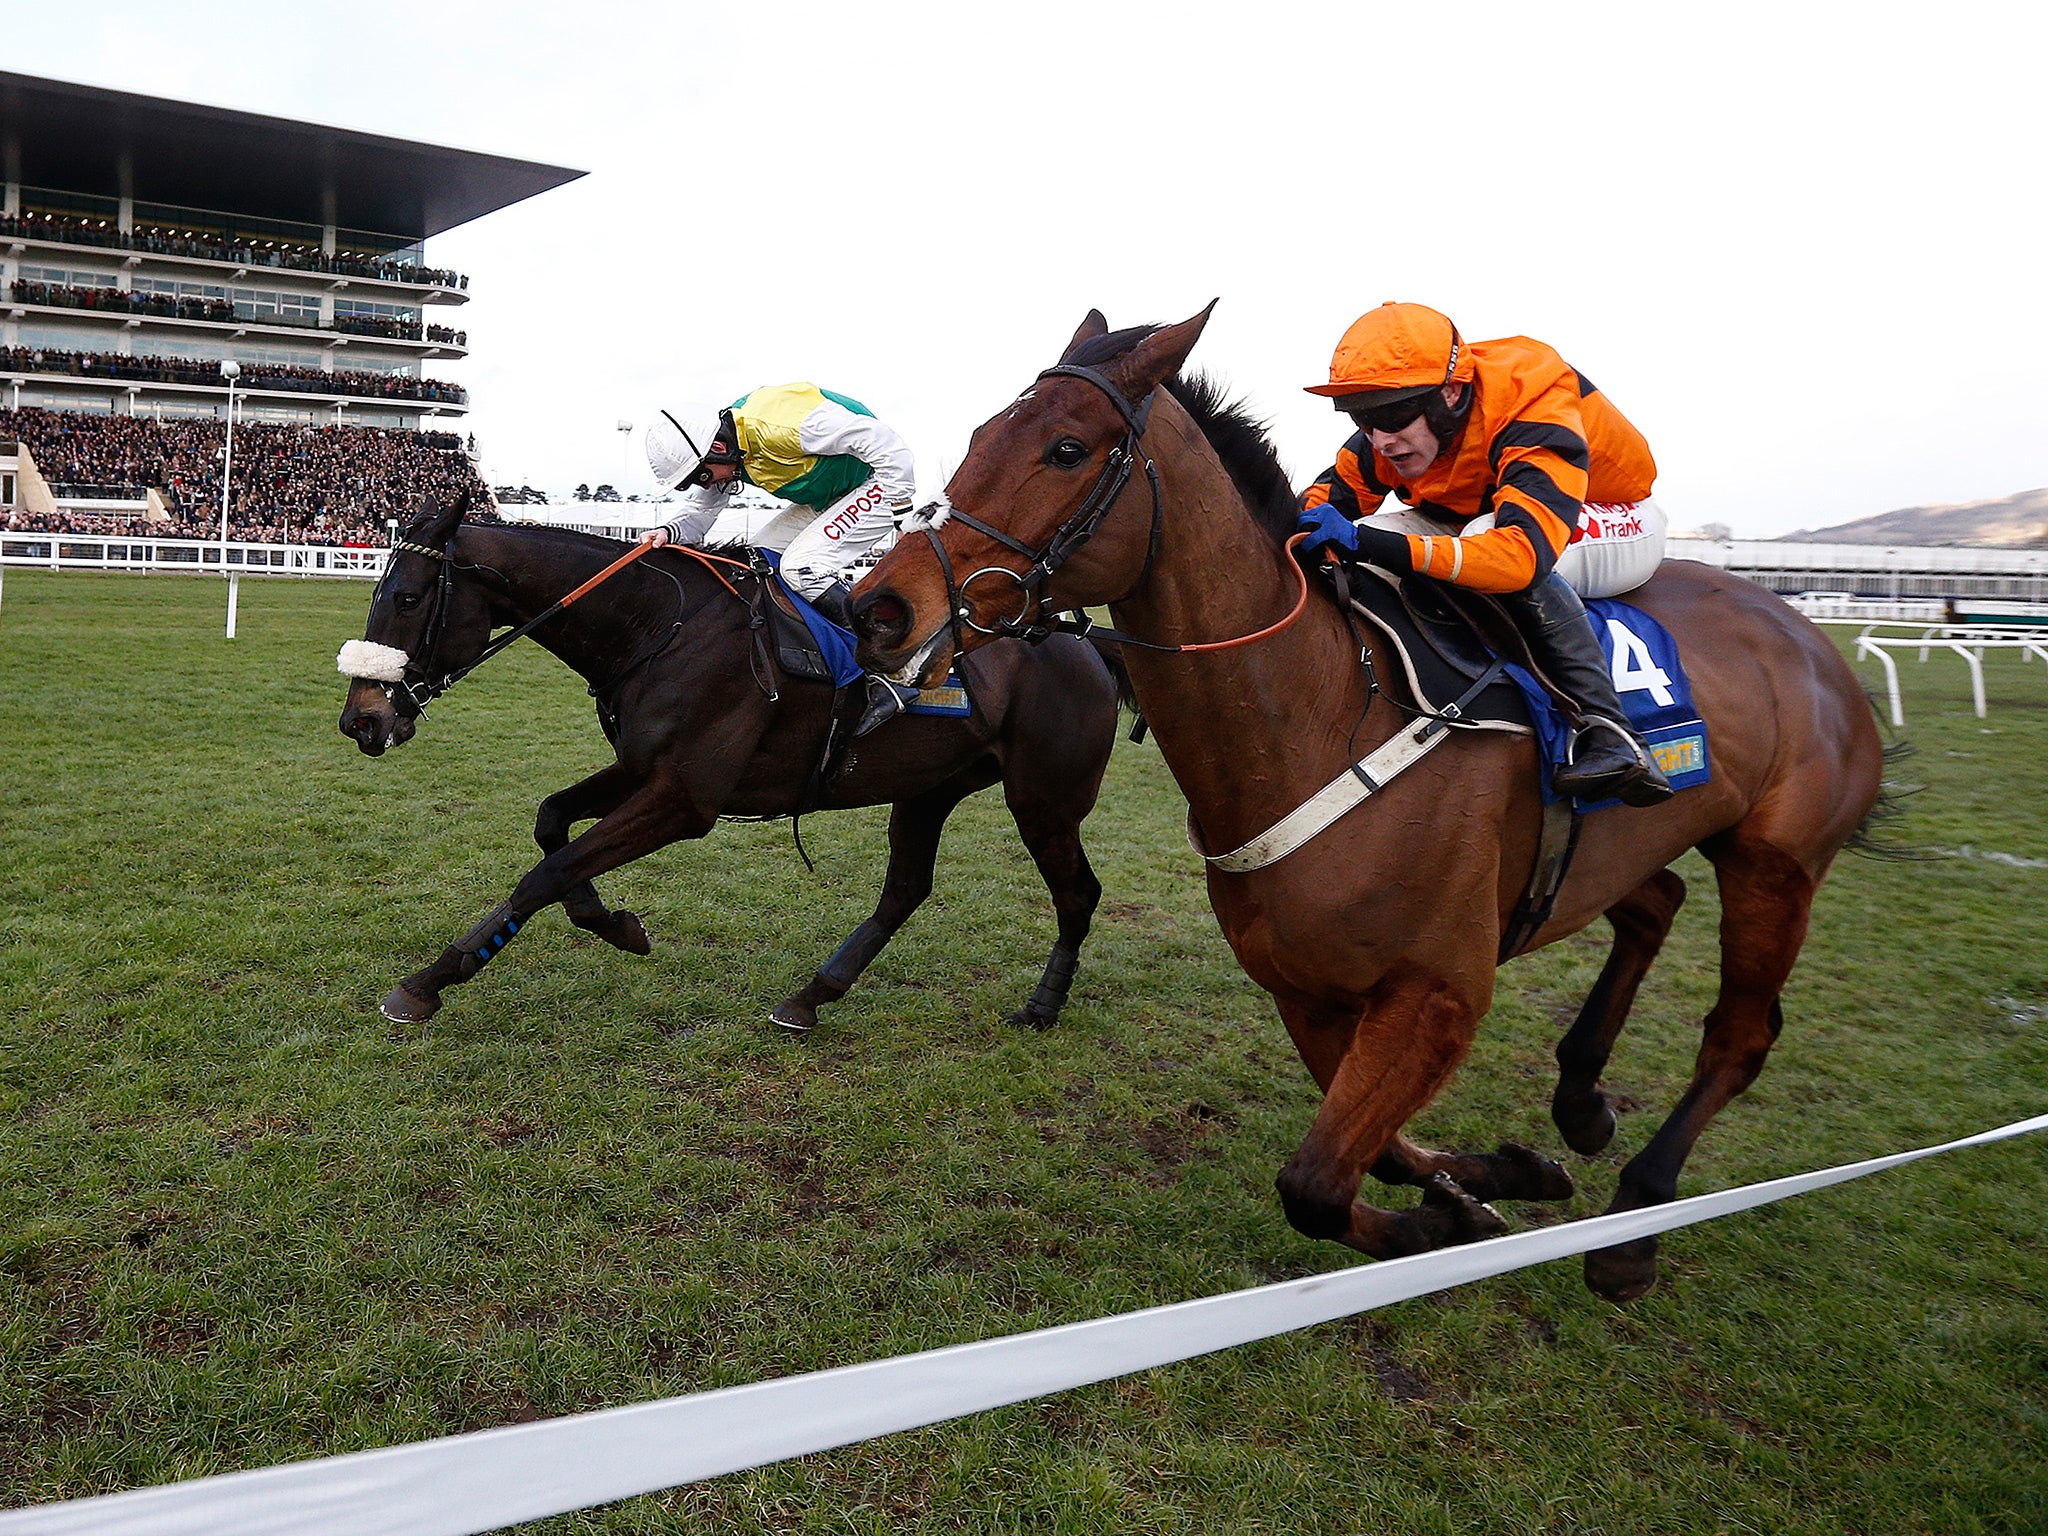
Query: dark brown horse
point(1378, 938)
point(666, 647)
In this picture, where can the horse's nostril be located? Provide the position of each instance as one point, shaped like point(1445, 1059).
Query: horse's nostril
point(885, 616)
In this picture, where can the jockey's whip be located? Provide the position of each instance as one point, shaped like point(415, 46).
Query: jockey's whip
point(604, 575)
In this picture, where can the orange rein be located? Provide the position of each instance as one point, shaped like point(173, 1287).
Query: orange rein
point(1300, 603)
point(709, 562)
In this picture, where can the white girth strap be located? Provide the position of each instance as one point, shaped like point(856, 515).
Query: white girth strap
point(1349, 788)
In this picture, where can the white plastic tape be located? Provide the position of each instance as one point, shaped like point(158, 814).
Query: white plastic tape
point(497, 1477)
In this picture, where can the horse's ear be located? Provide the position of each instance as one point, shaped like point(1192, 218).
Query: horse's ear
point(1091, 327)
point(1159, 356)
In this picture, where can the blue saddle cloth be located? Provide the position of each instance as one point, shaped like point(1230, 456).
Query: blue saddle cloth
point(834, 643)
point(1643, 660)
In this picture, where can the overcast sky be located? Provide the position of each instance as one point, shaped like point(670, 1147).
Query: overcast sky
point(1799, 245)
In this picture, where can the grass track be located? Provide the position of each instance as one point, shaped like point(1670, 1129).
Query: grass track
point(244, 1219)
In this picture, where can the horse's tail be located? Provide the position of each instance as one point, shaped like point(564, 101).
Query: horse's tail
point(1890, 805)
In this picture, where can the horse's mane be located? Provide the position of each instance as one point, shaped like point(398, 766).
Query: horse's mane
point(1238, 436)
point(593, 542)
point(598, 543)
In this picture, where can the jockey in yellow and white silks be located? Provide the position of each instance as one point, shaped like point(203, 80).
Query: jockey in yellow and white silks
point(848, 476)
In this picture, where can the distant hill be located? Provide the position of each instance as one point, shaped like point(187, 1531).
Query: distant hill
point(2011, 522)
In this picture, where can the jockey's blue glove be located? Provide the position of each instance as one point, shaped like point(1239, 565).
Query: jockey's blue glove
point(1330, 529)
point(1327, 528)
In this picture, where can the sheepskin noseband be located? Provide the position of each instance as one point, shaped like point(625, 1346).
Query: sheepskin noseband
point(368, 659)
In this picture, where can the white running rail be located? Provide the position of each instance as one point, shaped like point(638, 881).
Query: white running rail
point(497, 1477)
point(121, 552)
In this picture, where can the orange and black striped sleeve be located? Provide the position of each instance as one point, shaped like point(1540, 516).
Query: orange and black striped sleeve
point(1538, 467)
point(1349, 485)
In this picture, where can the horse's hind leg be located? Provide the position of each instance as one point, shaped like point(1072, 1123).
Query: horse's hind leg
point(597, 796)
point(1641, 920)
point(1766, 897)
point(914, 828)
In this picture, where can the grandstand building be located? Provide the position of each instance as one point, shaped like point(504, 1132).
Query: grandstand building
point(143, 242)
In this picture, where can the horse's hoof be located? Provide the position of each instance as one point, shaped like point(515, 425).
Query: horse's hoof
point(1032, 1018)
point(1590, 1133)
point(798, 1018)
point(405, 1006)
point(1535, 1177)
point(1455, 1216)
point(1623, 1273)
point(627, 932)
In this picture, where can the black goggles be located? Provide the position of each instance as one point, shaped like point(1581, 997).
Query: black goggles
point(1395, 416)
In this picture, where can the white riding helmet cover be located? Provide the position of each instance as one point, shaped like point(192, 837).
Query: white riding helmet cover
point(678, 440)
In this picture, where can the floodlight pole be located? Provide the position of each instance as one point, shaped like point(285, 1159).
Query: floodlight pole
point(229, 370)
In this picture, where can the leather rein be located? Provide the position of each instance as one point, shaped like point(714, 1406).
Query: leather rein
point(1080, 526)
point(419, 684)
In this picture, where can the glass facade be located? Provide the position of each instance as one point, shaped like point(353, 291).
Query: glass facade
point(70, 338)
point(66, 277)
point(271, 306)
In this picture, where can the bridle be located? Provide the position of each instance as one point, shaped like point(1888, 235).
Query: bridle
point(1077, 530)
point(1080, 526)
point(419, 685)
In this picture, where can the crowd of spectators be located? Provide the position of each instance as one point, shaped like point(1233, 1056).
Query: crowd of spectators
point(324, 484)
point(145, 368)
point(164, 241)
point(120, 301)
point(389, 327)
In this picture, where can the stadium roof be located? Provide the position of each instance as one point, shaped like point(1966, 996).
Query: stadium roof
point(78, 138)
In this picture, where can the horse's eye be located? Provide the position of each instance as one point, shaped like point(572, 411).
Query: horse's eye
point(407, 601)
point(1066, 453)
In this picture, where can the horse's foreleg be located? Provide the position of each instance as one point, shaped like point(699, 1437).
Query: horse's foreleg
point(597, 796)
point(1513, 1172)
point(1377, 1072)
point(1051, 829)
point(914, 828)
point(651, 817)
point(1641, 920)
point(1766, 897)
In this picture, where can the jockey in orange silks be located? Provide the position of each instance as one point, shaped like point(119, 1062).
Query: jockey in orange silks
point(1505, 447)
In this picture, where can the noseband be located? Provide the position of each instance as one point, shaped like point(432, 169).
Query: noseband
point(1078, 529)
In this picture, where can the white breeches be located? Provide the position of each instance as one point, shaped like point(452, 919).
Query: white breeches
point(841, 543)
point(1618, 549)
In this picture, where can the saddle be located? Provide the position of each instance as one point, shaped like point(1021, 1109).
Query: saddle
point(1445, 647)
point(781, 629)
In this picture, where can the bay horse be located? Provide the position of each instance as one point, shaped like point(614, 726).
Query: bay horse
point(666, 648)
point(1378, 939)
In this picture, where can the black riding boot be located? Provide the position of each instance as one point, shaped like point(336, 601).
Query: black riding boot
point(836, 603)
point(1608, 759)
point(885, 699)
